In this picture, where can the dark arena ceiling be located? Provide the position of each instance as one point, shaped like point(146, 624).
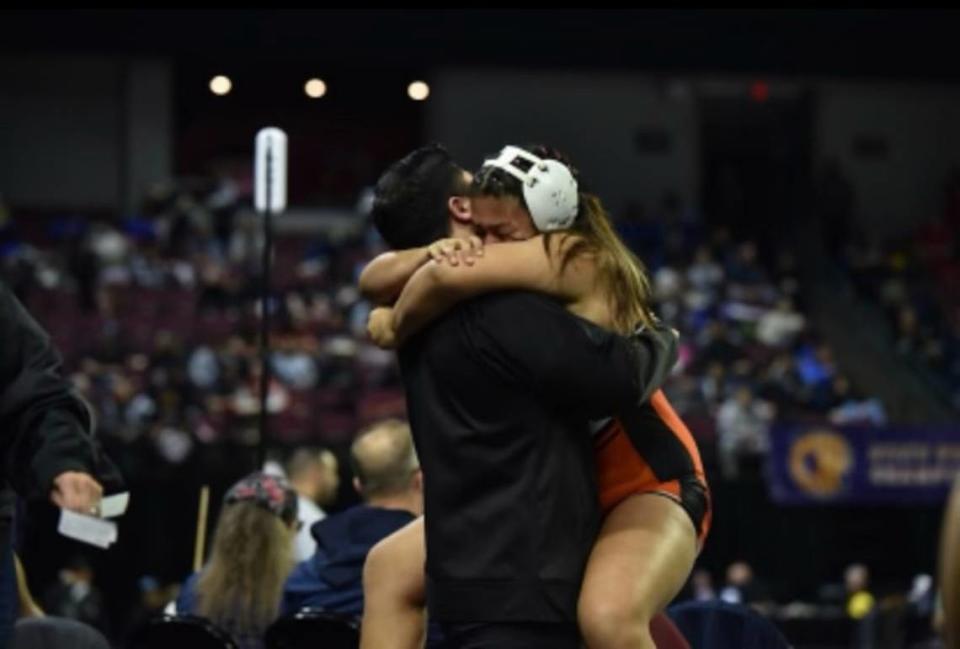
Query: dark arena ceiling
point(907, 44)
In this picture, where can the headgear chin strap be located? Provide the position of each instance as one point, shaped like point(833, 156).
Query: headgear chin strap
point(549, 188)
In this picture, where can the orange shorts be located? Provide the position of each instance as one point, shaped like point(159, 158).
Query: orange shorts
point(622, 471)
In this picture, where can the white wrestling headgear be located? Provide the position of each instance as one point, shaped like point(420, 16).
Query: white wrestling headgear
point(549, 187)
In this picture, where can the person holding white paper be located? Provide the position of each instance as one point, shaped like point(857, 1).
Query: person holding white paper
point(47, 449)
point(46, 444)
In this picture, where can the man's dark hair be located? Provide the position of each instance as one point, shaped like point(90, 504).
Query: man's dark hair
point(410, 199)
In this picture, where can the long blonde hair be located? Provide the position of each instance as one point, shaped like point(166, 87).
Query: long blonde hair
point(241, 586)
point(619, 271)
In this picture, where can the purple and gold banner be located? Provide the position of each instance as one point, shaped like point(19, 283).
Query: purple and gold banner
point(861, 465)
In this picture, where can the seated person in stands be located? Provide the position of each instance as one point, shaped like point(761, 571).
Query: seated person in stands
point(240, 587)
point(313, 474)
point(388, 479)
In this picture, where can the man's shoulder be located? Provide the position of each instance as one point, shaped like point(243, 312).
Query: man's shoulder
point(491, 312)
point(508, 303)
point(511, 297)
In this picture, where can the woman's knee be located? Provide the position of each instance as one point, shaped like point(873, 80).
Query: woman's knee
point(612, 623)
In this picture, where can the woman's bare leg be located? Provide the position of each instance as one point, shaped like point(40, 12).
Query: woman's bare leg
point(394, 591)
point(643, 556)
point(949, 569)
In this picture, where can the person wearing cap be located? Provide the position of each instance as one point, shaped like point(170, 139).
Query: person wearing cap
point(240, 587)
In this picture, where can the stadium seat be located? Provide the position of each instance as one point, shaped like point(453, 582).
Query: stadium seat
point(181, 631)
point(56, 633)
point(314, 629)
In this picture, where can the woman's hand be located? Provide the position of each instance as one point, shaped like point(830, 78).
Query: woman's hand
point(453, 251)
point(380, 327)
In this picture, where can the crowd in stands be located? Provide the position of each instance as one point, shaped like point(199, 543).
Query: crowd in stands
point(157, 316)
point(749, 355)
point(253, 575)
point(915, 281)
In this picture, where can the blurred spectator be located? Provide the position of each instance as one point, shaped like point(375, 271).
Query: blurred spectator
point(241, 585)
point(35, 629)
point(702, 586)
point(742, 267)
point(815, 365)
point(743, 430)
point(388, 479)
point(851, 408)
point(704, 273)
point(742, 586)
point(153, 597)
point(859, 599)
point(203, 368)
point(781, 382)
point(779, 327)
point(314, 475)
point(717, 344)
point(713, 385)
point(667, 283)
point(75, 595)
point(245, 400)
point(922, 596)
point(294, 366)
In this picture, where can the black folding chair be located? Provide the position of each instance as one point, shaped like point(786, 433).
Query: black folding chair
point(55, 633)
point(312, 628)
point(181, 632)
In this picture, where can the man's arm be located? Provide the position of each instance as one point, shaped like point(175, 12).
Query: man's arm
point(46, 445)
point(532, 340)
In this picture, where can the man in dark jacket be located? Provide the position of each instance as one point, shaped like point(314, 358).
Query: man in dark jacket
point(47, 449)
point(46, 445)
point(387, 477)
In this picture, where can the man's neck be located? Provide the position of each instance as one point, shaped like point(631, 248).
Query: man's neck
point(401, 502)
